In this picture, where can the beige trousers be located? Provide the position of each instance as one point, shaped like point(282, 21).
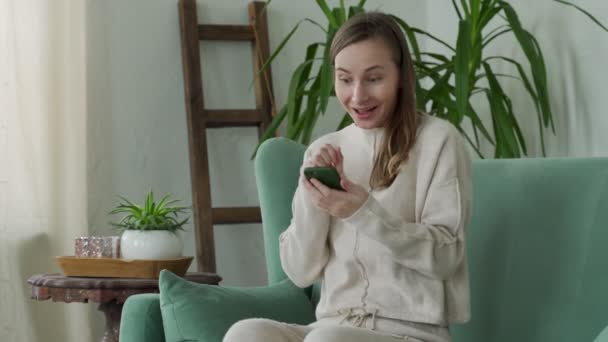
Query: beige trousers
point(336, 329)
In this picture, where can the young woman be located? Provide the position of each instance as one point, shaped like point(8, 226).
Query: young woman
point(390, 249)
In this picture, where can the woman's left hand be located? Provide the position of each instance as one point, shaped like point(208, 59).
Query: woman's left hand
point(341, 204)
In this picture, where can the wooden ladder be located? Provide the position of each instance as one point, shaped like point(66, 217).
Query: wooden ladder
point(199, 118)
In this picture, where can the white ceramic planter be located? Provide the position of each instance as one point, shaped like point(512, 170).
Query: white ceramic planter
point(150, 245)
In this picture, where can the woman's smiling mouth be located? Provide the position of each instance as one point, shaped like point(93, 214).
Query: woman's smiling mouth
point(364, 112)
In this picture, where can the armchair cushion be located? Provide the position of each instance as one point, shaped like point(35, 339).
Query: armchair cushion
point(198, 312)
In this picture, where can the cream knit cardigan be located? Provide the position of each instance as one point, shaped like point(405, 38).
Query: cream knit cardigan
point(401, 255)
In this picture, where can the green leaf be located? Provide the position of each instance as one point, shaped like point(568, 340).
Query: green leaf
point(316, 23)
point(515, 125)
point(491, 38)
point(465, 8)
point(439, 87)
point(475, 10)
point(528, 86)
point(441, 58)
point(411, 37)
point(128, 202)
point(313, 112)
point(333, 22)
point(311, 52)
point(485, 6)
point(445, 107)
point(447, 101)
point(420, 95)
point(500, 113)
point(541, 87)
point(533, 53)
point(419, 31)
point(354, 10)
point(487, 14)
point(475, 147)
point(150, 216)
point(457, 10)
point(342, 12)
point(498, 151)
point(312, 103)
point(326, 77)
point(461, 68)
point(161, 203)
point(498, 75)
point(361, 3)
point(278, 50)
point(584, 12)
point(122, 209)
point(478, 124)
point(274, 124)
point(306, 114)
point(346, 120)
point(281, 45)
point(338, 15)
point(309, 126)
point(293, 96)
point(435, 69)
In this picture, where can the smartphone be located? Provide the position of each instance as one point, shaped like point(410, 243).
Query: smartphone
point(326, 175)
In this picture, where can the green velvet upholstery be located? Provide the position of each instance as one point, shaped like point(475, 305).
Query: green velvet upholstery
point(141, 319)
point(537, 248)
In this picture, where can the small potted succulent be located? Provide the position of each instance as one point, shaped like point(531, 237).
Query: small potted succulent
point(149, 231)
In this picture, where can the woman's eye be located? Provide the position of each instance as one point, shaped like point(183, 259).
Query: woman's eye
point(375, 79)
point(344, 80)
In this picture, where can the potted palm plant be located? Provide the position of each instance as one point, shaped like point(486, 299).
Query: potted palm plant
point(446, 82)
point(150, 230)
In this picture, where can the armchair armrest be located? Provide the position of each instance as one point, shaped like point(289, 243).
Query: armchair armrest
point(141, 319)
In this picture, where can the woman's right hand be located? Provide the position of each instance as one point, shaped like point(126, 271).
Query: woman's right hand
point(326, 156)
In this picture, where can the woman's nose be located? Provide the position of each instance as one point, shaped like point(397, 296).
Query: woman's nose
point(359, 93)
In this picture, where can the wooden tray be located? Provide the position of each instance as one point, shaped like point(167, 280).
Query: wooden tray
point(121, 268)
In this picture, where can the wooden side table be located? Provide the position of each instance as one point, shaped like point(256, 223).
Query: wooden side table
point(110, 293)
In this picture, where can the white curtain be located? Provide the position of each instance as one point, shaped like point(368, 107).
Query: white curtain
point(42, 162)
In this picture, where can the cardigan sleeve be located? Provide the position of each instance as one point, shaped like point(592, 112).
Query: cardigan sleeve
point(303, 245)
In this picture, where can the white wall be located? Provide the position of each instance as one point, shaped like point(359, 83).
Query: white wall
point(576, 51)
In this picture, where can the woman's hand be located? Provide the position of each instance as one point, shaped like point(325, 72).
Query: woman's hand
point(327, 156)
point(341, 204)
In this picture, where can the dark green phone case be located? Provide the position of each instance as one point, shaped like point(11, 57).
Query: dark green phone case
point(326, 175)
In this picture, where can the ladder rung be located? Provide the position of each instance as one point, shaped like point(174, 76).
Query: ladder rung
point(225, 32)
point(233, 117)
point(236, 215)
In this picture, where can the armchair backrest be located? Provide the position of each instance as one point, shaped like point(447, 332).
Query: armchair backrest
point(538, 250)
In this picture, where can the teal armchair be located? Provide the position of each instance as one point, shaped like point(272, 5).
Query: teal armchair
point(537, 249)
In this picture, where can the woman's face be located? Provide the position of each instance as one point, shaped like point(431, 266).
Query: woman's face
point(367, 82)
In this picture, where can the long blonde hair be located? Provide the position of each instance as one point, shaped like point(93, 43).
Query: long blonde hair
point(401, 126)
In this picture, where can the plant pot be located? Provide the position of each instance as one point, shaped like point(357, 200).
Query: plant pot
point(150, 245)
